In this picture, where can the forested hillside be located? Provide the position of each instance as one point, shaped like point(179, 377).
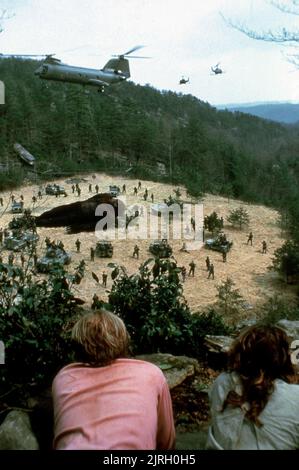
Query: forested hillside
point(131, 128)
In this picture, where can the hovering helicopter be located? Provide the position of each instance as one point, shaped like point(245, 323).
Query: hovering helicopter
point(116, 70)
point(217, 70)
point(183, 81)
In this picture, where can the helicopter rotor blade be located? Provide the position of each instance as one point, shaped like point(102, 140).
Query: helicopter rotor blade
point(136, 48)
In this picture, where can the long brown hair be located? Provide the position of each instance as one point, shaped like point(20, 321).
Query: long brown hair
point(99, 338)
point(259, 356)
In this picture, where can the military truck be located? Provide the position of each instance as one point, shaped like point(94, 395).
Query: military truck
point(219, 243)
point(160, 248)
point(114, 190)
point(54, 256)
point(104, 249)
point(17, 207)
point(54, 190)
point(18, 241)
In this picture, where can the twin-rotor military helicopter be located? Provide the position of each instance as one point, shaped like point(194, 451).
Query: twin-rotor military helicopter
point(116, 70)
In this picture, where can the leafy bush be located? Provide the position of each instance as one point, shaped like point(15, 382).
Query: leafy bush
point(286, 261)
point(155, 312)
point(33, 317)
point(238, 217)
point(276, 309)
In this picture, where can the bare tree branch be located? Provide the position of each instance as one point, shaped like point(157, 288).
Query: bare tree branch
point(280, 36)
point(292, 9)
point(4, 15)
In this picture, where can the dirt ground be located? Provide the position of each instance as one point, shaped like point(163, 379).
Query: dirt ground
point(246, 265)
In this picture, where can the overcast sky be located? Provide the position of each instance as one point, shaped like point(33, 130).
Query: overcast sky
point(182, 37)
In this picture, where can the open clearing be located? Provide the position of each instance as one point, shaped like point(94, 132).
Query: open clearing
point(246, 265)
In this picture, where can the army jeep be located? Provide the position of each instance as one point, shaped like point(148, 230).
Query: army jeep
point(19, 241)
point(160, 249)
point(17, 207)
point(54, 256)
point(114, 191)
point(220, 243)
point(54, 190)
point(104, 249)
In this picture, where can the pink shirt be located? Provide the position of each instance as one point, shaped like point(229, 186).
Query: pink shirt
point(125, 405)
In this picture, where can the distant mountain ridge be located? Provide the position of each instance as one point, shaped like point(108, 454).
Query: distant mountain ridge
point(287, 113)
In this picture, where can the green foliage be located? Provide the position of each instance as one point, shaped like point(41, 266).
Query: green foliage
point(33, 317)
point(157, 315)
point(238, 217)
point(286, 261)
point(212, 223)
point(277, 308)
point(229, 299)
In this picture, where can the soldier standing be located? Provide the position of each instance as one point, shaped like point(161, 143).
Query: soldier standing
point(1, 201)
point(136, 251)
point(39, 194)
point(22, 197)
point(96, 303)
point(11, 258)
point(224, 254)
point(92, 253)
point(139, 185)
point(73, 189)
point(90, 188)
point(208, 263)
point(12, 198)
point(184, 273)
point(193, 223)
point(78, 245)
point(152, 197)
point(96, 188)
point(1, 236)
point(34, 199)
point(192, 268)
point(264, 247)
point(145, 196)
point(79, 191)
point(104, 277)
point(135, 191)
point(211, 271)
point(124, 189)
point(34, 259)
point(250, 238)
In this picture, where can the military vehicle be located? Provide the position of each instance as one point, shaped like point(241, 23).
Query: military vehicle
point(114, 191)
point(160, 249)
point(220, 243)
point(17, 207)
point(54, 189)
point(20, 240)
point(54, 256)
point(104, 249)
point(24, 222)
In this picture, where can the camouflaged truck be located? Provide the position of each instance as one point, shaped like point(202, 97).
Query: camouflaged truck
point(160, 249)
point(104, 249)
point(19, 241)
point(54, 256)
point(220, 243)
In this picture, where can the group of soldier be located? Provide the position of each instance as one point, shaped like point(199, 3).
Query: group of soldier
point(264, 243)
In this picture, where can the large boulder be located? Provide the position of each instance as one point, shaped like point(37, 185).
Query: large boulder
point(16, 432)
point(218, 344)
point(291, 328)
point(175, 368)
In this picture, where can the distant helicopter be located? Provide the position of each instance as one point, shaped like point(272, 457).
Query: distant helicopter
point(217, 70)
point(183, 81)
point(115, 71)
